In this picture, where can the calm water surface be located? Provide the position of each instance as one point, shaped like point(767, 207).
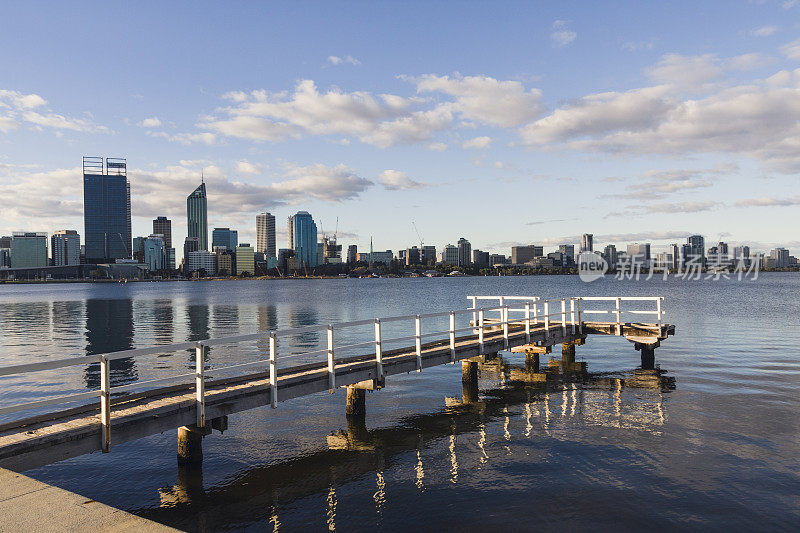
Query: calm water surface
point(720, 451)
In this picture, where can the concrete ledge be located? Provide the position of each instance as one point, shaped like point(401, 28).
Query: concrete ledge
point(30, 505)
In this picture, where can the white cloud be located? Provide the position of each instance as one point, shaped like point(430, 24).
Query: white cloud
point(682, 70)
point(19, 109)
point(791, 50)
point(485, 99)
point(335, 60)
point(394, 180)
point(769, 202)
point(436, 147)
point(246, 167)
point(478, 143)
point(186, 138)
point(681, 207)
point(152, 122)
point(633, 46)
point(561, 35)
point(764, 31)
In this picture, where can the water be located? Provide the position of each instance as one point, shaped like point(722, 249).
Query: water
point(719, 451)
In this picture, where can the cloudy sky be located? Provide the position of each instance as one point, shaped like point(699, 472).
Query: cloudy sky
point(504, 123)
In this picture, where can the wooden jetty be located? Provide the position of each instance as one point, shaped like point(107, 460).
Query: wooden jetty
point(519, 323)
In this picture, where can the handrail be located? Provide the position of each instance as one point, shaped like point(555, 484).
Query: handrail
point(536, 311)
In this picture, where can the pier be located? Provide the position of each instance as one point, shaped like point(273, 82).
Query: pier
point(200, 402)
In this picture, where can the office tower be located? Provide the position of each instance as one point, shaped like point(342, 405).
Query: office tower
point(229, 238)
point(428, 255)
point(170, 254)
point(410, 256)
point(568, 251)
point(331, 252)
point(138, 248)
point(201, 260)
point(65, 248)
point(675, 252)
point(639, 254)
point(741, 253)
point(779, 255)
point(265, 234)
point(197, 216)
point(696, 251)
point(28, 249)
point(480, 258)
point(450, 255)
point(155, 253)
point(464, 252)
point(5, 257)
point(303, 238)
point(522, 254)
point(587, 242)
point(610, 255)
point(352, 254)
point(190, 244)
point(497, 259)
point(5, 241)
point(245, 259)
point(163, 226)
point(722, 248)
point(106, 209)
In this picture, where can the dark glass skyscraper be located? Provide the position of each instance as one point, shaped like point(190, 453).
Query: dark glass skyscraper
point(303, 238)
point(197, 216)
point(106, 209)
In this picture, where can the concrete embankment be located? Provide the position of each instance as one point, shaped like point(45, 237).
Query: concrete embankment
point(30, 505)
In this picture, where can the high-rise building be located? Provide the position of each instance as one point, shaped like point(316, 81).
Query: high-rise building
point(587, 242)
point(265, 234)
point(201, 260)
point(696, 251)
point(28, 249)
point(522, 254)
point(480, 258)
point(106, 209)
point(5, 241)
point(779, 255)
point(610, 255)
point(568, 253)
point(639, 254)
point(197, 216)
point(229, 238)
point(497, 259)
point(155, 253)
point(331, 252)
point(450, 255)
point(303, 238)
point(428, 255)
point(245, 259)
point(190, 244)
point(352, 254)
point(163, 226)
point(675, 252)
point(5, 257)
point(464, 252)
point(65, 248)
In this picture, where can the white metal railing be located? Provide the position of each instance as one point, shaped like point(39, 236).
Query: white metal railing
point(566, 312)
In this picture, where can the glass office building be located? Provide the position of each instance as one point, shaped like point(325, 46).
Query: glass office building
point(303, 238)
point(106, 210)
point(229, 238)
point(197, 216)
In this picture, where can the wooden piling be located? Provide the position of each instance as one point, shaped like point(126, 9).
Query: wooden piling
point(648, 354)
point(567, 354)
point(190, 444)
point(356, 405)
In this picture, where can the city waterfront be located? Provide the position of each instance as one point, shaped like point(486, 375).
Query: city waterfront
point(720, 450)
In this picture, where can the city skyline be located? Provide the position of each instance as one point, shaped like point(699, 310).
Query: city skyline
point(344, 129)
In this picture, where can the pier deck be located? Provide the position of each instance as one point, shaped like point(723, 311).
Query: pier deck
point(35, 441)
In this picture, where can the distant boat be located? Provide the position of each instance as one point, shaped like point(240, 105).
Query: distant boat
point(431, 274)
point(456, 273)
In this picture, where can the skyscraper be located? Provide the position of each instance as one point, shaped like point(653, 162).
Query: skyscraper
point(28, 249)
point(352, 253)
point(197, 215)
point(65, 248)
point(587, 242)
point(696, 251)
point(464, 252)
point(163, 226)
point(265, 234)
point(303, 238)
point(229, 238)
point(106, 209)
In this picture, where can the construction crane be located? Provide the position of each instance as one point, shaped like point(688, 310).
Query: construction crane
point(421, 243)
point(336, 230)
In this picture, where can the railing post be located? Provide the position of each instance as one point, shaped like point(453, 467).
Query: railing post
point(200, 383)
point(572, 313)
point(418, 341)
point(536, 312)
point(480, 331)
point(619, 315)
point(505, 327)
point(105, 404)
point(580, 316)
point(527, 322)
point(563, 318)
point(331, 362)
point(452, 337)
point(546, 320)
point(273, 369)
point(658, 308)
point(378, 349)
point(475, 308)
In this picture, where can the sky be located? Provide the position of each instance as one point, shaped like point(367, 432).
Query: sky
point(506, 123)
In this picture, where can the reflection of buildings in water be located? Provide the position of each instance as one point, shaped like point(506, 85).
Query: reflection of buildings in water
point(267, 316)
point(109, 328)
point(226, 320)
point(67, 321)
point(312, 340)
point(199, 329)
point(163, 321)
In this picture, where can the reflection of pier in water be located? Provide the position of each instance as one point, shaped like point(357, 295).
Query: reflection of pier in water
point(455, 439)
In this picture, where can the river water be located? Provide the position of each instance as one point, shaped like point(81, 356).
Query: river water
point(719, 451)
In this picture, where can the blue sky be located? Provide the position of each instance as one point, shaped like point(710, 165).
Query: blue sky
point(505, 123)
